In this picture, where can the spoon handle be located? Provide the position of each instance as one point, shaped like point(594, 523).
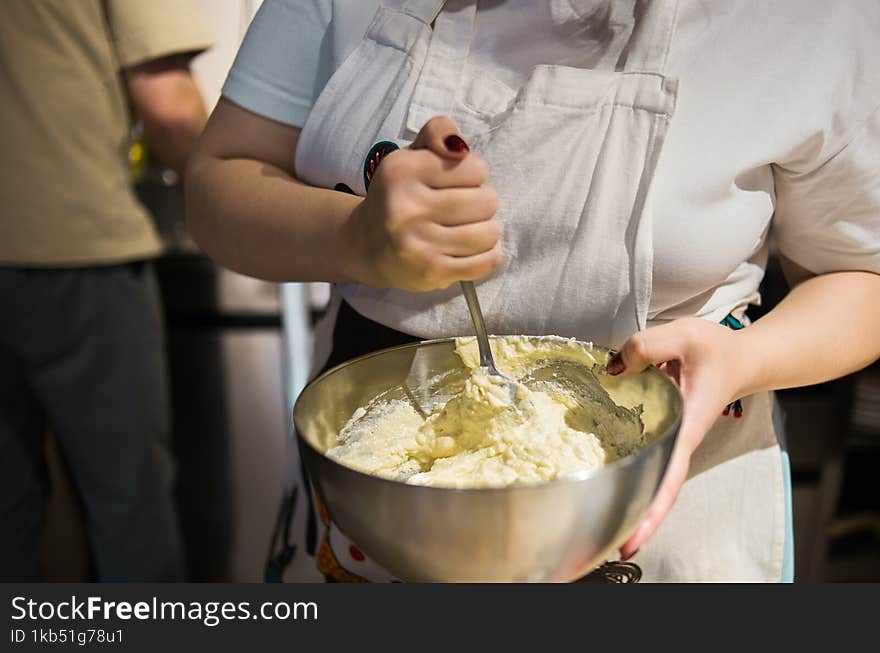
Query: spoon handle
point(470, 296)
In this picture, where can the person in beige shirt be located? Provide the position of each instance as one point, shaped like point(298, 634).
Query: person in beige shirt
point(81, 337)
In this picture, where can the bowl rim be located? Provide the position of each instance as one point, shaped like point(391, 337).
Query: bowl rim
point(621, 463)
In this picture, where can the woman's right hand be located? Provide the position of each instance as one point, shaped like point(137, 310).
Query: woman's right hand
point(428, 219)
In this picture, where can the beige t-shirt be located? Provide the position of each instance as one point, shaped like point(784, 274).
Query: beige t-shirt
point(65, 189)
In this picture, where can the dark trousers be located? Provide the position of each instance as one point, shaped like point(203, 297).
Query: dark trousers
point(82, 352)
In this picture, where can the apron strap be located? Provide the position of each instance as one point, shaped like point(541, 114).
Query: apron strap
point(447, 53)
point(436, 88)
point(655, 25)
point(424, 10)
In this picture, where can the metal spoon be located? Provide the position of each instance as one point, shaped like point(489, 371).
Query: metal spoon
point(424, 395)
point(486, 359)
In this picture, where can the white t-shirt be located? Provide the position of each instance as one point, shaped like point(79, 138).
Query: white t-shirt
point(776, 124)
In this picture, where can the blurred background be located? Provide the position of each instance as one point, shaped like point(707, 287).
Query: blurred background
point(239, 352)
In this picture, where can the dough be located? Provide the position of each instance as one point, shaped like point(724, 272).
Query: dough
point(560, 423)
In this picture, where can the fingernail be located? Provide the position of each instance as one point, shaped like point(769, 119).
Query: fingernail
point(615, 365)
point(626, 556)
point(455, 143)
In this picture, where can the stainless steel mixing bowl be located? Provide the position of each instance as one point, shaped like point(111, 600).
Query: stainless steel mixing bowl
point(553, 531)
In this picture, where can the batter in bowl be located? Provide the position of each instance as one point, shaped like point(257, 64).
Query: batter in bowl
point(480, 437)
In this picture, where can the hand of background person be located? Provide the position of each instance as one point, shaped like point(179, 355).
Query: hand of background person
point(428, 217)
point(705, 360)
point(164, 96)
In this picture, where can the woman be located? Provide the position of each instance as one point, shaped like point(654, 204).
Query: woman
point(606, 170)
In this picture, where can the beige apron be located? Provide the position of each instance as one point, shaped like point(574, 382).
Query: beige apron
point(572, 154)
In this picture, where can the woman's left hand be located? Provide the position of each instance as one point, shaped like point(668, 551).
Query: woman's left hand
point(706, 361)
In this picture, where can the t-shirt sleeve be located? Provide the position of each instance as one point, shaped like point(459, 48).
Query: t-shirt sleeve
point(827, 217)
point(143, 31)
point(277, 70)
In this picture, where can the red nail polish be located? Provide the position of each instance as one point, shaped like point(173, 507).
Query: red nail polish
point(615, 365)
point(455, 143)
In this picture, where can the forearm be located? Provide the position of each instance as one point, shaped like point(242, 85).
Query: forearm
point(256, 219)
point(825, 328)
